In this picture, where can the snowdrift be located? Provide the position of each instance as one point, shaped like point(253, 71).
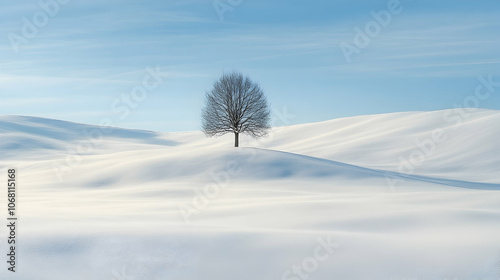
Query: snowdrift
point(111, 203)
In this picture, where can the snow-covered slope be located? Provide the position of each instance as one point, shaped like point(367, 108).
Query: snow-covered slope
point(113, 203)
point(452, 145)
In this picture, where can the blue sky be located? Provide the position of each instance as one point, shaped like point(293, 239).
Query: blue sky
point(87, 55)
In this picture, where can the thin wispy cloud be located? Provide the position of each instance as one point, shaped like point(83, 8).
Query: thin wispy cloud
point(102, 49)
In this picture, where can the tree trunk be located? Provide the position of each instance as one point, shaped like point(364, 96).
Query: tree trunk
point(236, 139)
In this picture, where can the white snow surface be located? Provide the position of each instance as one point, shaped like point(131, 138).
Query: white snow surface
point(413, 195)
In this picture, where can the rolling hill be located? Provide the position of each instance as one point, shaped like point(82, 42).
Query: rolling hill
point(403, 195)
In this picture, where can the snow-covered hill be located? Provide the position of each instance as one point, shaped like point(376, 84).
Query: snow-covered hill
point(405, 195)
point(449, 144)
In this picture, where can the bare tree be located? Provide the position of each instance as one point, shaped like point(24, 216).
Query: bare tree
point(236, 105)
